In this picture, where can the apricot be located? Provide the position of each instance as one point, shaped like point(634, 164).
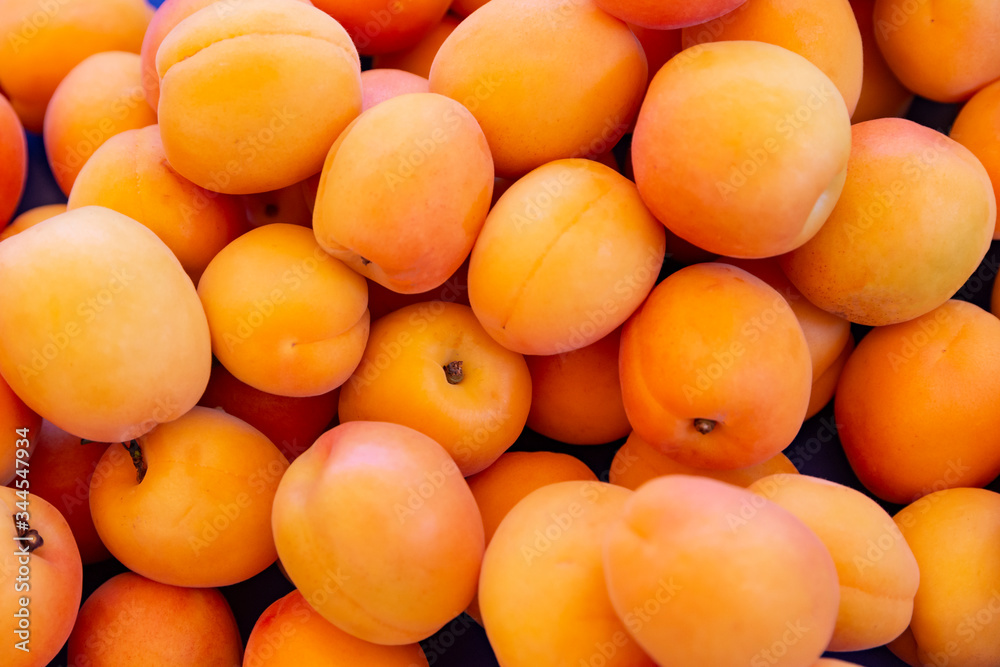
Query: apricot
point(465, 7)
point(915, 219)
point(377, 26)
point(30, 218)
point(576, 396)
point(14, 160)
point(15, 416)
point(291, 634)
point(667, 15)
point(130, 174)
point(346, 523)
point(719, 561)
point(382, 300)
point(129, 619)
point(432, 367)
point(50, 596)
point(542, 591)
point(565, 256)
point(825, 385)
point(978, 129)
point(882, 95)
point(61, 471)
point(658, 45)
point(190, 506)
point(910, 387)
point(715, 369)
point(290, 70)
point(824, 32)
point(99, 98)
point(419, 57)
point(947, 60)
point(286, 318)
point(292, 206)
point(379, 85)
point(535, 110)
point(953, 534)
point(760, 138)
point(637, 462)
point(877, 571)
point(405, 191)
point(40, 42)
point(122, 344)
point(291, 424)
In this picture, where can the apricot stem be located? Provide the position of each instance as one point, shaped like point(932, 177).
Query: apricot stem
point(453, 371)
point(704, 426)
point(27, 534)
point(137, 460)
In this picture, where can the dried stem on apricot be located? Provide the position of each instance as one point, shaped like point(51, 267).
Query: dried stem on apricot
point(453, 371)
point(137, 460)
point(704, 426)
point(27, 534)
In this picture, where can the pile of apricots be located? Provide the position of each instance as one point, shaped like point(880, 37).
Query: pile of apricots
point(325, 269)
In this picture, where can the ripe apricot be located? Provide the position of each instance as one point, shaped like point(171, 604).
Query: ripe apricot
point(882, 95)
point(99, 98)
point(292, 205)
point(290, 70)
point(947, 59)
point(534, 110)
point(382, 300)
point(715, 369)
point(824, 32)
point(48, 596)
point(465, 7)
point(129, 619)
point(291, 634)
point(191, 505)
point(405, 191)
point(286, 318)
point(637, 462)
point(377, 26)
point(669, 14)
point(345, 523)
point(658, 45)
point(565, 256)
point(576, 397)
point(13, 161)
point(825, 385)
point(30, 218)
point(122, 344)
point(978, 129)
point(542, 591)
point(41, 42)
point(379, 85)
point(953, 534)
point(911, 387)
point(419, 57)
point(914, 199)
point(15, 415)
point(130, 174)
point(720, 562)
point(746, 120)
point(877, 571)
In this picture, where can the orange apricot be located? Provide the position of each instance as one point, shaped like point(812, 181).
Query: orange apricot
point(130, 174)
point(565, 256)
point(130, 618)
point(719, 561)
point(99, 98)
point(419, 57)
point(15, 416)
point(379, 85)
point(382, 300)
point(292, 206)
point(913, 199)
point(658, 45)
point(405, 191)
point(191, 505)
point(14, 161)
point(123, 343)
point(978, 129)
point(377, 26)
point(746, 120)
point(882, 95)
point(286, 318)
point(715, 369)
point(30, 218)
point(346, 521)
point(534, 110)
point(911, 387)
point(665, 15)
point(465, 7)
point(825, 384)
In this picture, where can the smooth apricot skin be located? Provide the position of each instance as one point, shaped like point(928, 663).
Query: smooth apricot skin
point(725, 185)
point(378, 27)
point(978, 129)
point(14, 415)
point(911, 386)
point(877, 571)
point(99, 98)
point(405, 191)
point(346, 521)
point(913, 199)
point(668, 15)
point(490, 64)
point(542, 591)
point(290, 69)
point(465, 7)
point(953, 534)
point(637, 462)
point(382, 300)
point(40, 44)
point(715, 369)
point(419, 57)
point(825, 385)
point(30, 218)
point(102, 277)
point(720, 561)
point(262, 296)
point(130, 174)
point(576, 397)
point(14, 161)
point(130, 618)
point(379, 85)
point(882, 95)
point(52, 595)
point(658, 45)
point(291, 634)
point(942, 60)
point(292, 206)
point(565, 256)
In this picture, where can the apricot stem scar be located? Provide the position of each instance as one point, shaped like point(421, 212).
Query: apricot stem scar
point(453, 371)
point(704, 426)
point(137, 460)
point(27, 534)
point(365, 261)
